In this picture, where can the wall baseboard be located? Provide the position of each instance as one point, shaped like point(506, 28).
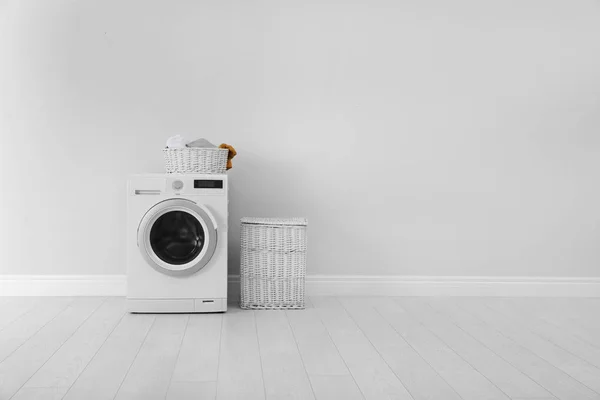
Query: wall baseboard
point(328, 285)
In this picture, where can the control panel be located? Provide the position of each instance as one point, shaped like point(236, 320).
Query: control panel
point(178, 185)
point(182, 185)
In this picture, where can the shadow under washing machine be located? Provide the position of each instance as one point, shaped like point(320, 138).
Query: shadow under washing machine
point(177, 243)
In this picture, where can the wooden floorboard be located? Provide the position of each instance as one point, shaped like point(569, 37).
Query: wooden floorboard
point(338, 348)
point(283, 370)
point(572, 365)
point(571, 315)
point(555, 334)
point(150, 374)
point(104, 374)
point(503, 375)
point(469, 383)
point(199, 356)
point(64, 367)
point(551, 378)
point(27, 325)
point(240, 368)
point(319, 354)
point(372, 374)
point(328, 387)
point(192, 391)
point(416, 374)
point(24, 362)
point(12, 308)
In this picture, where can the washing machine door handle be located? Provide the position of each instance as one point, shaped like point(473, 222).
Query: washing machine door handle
point(210, 215)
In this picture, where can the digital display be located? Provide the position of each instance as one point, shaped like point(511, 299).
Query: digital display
point(208, 184)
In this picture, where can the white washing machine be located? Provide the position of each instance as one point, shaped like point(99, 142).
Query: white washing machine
point(177, 243)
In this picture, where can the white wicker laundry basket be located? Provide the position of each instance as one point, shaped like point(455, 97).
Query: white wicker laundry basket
point(196, 160)
point(273, 263)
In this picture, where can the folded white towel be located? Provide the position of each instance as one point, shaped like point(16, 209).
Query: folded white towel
point(177, 142)
point(201, 143)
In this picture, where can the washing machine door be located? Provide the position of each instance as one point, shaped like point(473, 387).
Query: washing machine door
point(177, 237)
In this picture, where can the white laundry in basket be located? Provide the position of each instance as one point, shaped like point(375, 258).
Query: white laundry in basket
point(177, 142)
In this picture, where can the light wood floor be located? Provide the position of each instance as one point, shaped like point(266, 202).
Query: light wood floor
point(338, 348)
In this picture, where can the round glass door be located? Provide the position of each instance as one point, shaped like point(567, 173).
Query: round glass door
point(177, 237)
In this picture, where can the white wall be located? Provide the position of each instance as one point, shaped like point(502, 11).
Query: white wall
point(419, 137)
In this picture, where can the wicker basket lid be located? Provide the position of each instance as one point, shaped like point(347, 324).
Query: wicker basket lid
point(275, 221)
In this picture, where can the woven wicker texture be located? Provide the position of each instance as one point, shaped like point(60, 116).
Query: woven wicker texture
point(196, 160)
point(273, 263)
point(274, 221)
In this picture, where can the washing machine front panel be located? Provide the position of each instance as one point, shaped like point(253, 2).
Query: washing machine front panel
point(177, 237)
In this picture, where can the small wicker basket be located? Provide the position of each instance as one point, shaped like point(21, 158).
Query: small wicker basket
point(196, 160)
point(273, 263)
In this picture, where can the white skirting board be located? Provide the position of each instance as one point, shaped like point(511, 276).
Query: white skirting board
point(327, 285)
